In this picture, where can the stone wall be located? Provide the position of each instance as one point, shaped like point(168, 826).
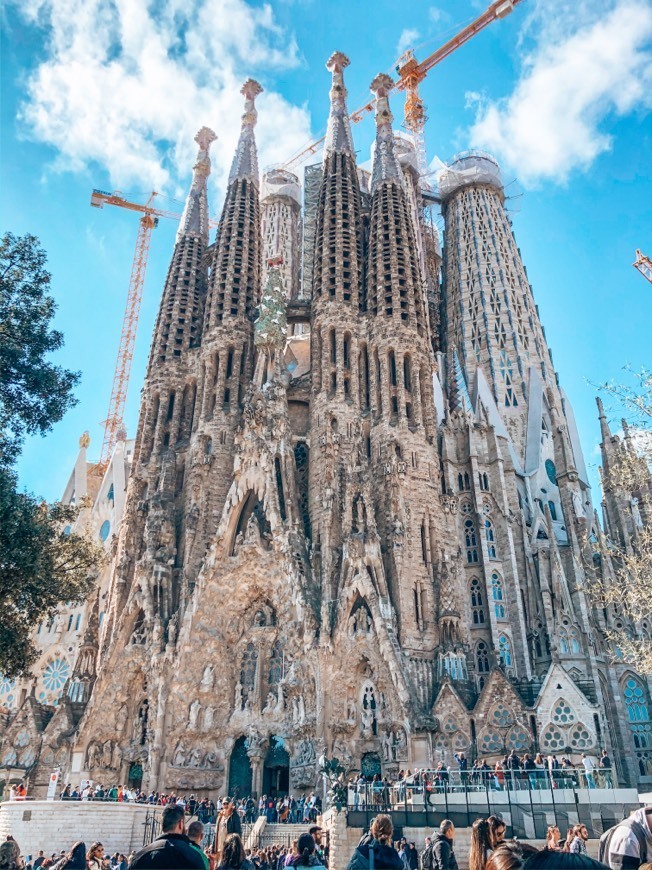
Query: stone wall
point(56, 825)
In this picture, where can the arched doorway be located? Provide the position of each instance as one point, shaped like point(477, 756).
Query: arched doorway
point(240, 770)
point(370, 765)
point(276, 772)
point(135, 778)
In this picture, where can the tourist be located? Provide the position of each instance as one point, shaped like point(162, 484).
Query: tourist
point(65, 793)
point(548, 860)
point(628, 844)
point(513, 765)
point(228, 822)
point(95, 857)
point(306, 853)
point(443, 852)
point(196, 835)
point(605, 770)
point(172, 850)
point(509, 856)
point(530, 770)
point(480, 844)
point(590, 766)
point(385, 857)
point(426, 856)
point(40, 858)
point(403, 854)
point(75, 859)
point(578, 843)
point(233, 855)
point(499, 777)
point(540, 764)
point(553, 836)
point(463, 764)
point(10, 855)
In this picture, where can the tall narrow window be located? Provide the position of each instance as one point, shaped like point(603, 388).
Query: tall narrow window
point(407, 373)
point(497, 595)
point(471, 542)
point(490, 538)
point(477, 602)
point(392, 368)
point(482, 657)
point(505, 651)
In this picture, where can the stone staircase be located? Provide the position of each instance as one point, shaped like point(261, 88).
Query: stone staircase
point(264, 835)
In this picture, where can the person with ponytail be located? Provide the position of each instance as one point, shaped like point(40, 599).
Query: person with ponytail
point(306, 853)
point(375, 849)
point(480, 844)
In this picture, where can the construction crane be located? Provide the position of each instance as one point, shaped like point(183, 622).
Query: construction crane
point(114, 423)
point(644, 265)
point(410, 75)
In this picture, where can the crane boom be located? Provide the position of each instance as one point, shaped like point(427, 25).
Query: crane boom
point(411, 73)
point(644, 265)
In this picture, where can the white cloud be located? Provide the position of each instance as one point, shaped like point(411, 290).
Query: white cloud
point(438, 16)
point(407, 39)
point(590, 62)
point(125, 86)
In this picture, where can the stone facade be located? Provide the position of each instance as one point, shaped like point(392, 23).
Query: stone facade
point(358, 519)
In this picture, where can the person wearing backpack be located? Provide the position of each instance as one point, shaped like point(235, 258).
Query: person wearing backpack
point(427, 861)
point(629, 843)
point(375, 850)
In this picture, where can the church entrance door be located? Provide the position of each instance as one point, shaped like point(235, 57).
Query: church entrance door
point(239, 770)
point(370, 765)
point(276, 772)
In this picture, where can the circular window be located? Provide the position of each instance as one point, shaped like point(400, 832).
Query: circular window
point(55, 675)
point(562, 713)
point(105, 528)
point(551, 471)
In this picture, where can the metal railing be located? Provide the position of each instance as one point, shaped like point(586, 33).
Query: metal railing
point(528, 800)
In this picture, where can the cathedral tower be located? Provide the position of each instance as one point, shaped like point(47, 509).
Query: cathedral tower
point(338, 355)
point(406, 473)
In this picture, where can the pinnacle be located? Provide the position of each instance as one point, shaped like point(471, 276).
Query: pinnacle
point(251, 88)
point(337, 62)
point(205, 137)
point(381, 85)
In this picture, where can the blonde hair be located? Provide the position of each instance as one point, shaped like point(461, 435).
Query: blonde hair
point(382, 828)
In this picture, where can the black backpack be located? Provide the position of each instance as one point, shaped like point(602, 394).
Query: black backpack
point(427, 858)
point(636, 829)
point(358, 860)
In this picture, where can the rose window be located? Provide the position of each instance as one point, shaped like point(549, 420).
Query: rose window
point(553, 738)
point(518, 738)
point(562, 713)
point(491, 742)
point(580, 737)
point(22, 738)
point(502, 717)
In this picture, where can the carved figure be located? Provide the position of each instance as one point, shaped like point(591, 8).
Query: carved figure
point(195, 707)
point(207, 679)
point(280, 700)
point(92, 756)
point(239, 703)
point(173, 627)
point(116, 758)
point(121, 718)
point(195, 758)
point(350, 710)
point(179, 759)
point(207, 719)
point(107, 754)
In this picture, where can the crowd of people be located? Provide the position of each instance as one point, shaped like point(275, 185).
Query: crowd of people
point(512, 772)
point(287, 809)
point(626, 846)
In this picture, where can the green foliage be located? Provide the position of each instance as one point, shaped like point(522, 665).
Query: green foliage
point(40, 566)
point(34, 393)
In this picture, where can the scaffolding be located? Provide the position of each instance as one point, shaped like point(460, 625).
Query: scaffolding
point(311, 184)
point(466, 168)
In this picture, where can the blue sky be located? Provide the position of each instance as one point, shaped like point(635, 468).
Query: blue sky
point(109, 93)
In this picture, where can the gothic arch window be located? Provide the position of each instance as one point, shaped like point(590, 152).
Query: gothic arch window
point(638, 713)
point(471, 542)
point(497, 595)
point(505, 651)
point(248, 671)
point(276, 665)
point(482, 658)
point(574, 641)
point(581, 738)
point(563, 642)
point(553, 510)
point(490, 538)
point(477, 602)
point(562, 713)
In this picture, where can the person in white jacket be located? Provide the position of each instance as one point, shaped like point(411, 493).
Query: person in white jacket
point(628, 844)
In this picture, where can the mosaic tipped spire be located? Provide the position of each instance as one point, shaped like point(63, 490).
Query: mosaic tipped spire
point(245, 161)
point(194, 220)
point(386, 164)
point(338, 132)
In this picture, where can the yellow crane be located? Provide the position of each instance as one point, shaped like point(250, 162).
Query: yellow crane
point(410, 75)
point(114, 423)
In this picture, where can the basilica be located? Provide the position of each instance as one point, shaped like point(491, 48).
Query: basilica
point(355, 519)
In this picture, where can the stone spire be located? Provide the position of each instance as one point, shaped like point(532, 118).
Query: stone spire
point(245, 161)
point(605, 431)
point(338, 132)
point(194, 220)
point(459, 398)
point(386, 164)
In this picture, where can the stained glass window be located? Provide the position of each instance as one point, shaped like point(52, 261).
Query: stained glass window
point(276, 664)
point(562, 713)
point(497, 595)
point(482, 658)
point(477, 602)
point(505, 651)
point(471, 542)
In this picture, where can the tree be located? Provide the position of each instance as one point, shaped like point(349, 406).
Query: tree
point(628, 480)
point(34, 393)
point(42, 563)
